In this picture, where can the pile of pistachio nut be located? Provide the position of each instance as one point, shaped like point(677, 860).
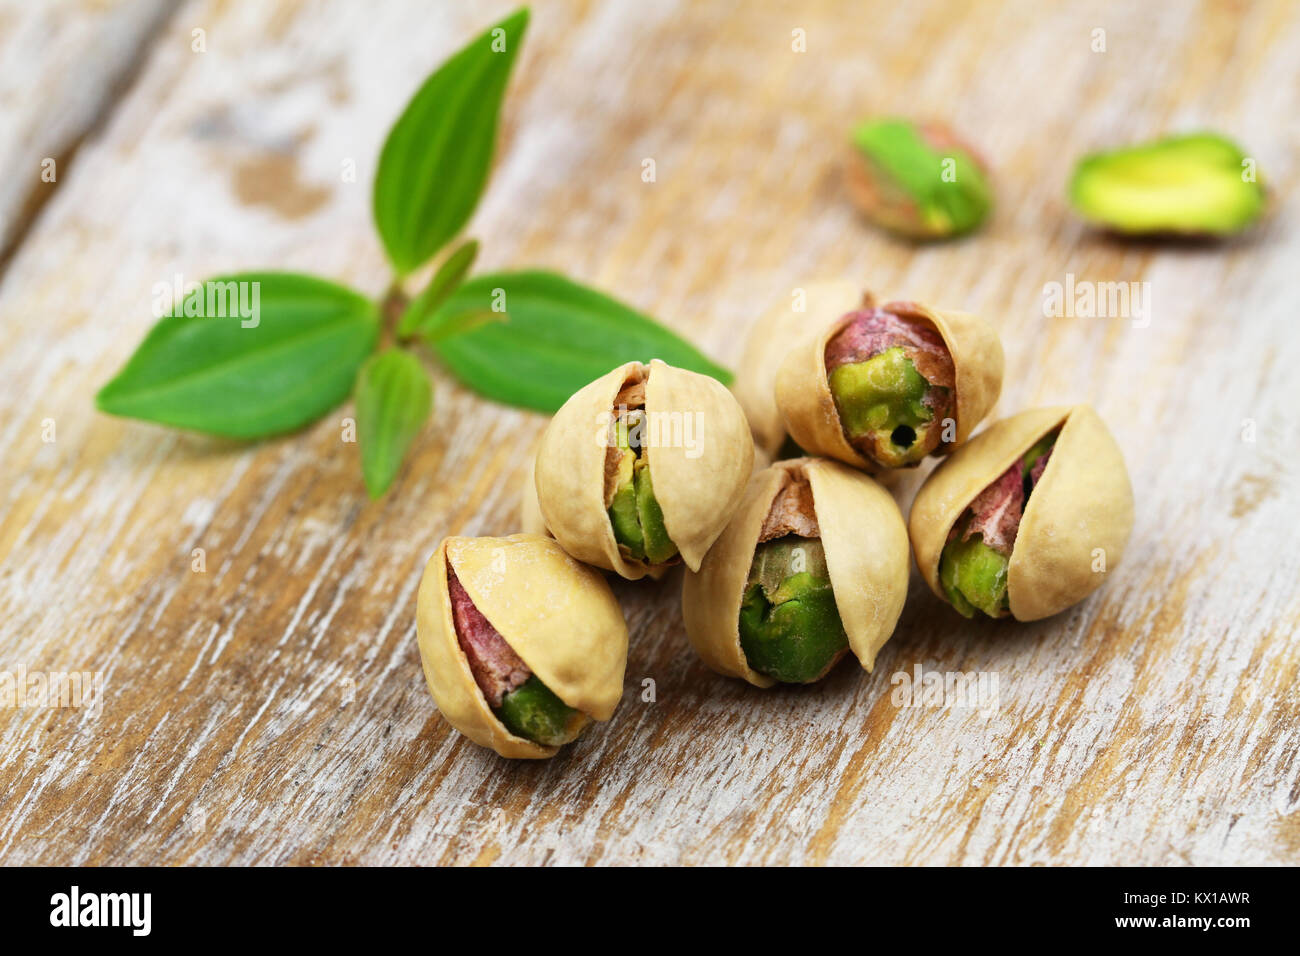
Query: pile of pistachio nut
point(794, 555)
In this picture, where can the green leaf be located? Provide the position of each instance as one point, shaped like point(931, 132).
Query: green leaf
point(559, 336)
point(394, 398)
point(247, 356)
point(460, 323)
point(444, 282)
point(436, 159)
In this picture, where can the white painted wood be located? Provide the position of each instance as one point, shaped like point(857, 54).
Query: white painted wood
point(64, 65)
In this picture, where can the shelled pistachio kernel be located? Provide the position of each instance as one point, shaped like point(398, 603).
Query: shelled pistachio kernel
point(634, 512)
point(973, 566)
point(882, 387)
point(532, 711)
point(918, 180)
point(790, 628)
point(1198, 185)
point(884, 394)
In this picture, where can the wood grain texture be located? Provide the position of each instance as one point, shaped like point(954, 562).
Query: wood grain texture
point(272, 710)
point(65, 65)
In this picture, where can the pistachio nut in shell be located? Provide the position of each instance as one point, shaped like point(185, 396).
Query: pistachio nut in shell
point(518, 620)
point(1027, 518)
point(642, 468)
point(917, 179)
point(881, 387)
point(861, 543)
point(776, 332)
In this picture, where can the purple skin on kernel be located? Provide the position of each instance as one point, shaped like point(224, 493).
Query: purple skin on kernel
point(870, 332)
point(997, 510)
point(874, 331)
point(1036, 472)
point(496, 667)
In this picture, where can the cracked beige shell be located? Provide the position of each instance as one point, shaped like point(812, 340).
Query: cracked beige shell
point(865, 541)
point(697, 487)
point(773, 336)
point(557, 614)
point(1083, 502)
point(530, 512)
point(803, 391)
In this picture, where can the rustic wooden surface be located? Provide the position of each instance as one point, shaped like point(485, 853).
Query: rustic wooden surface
point(272, 710)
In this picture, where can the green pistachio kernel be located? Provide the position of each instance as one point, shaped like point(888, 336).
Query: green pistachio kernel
point(1040, 448)
point(883, 396)
point(623, 516)
point(790, 627)
point(974, 576)
point(658, 546)
point(634, 512)
point(918, 181)
point(532, 711)
point(1196, 185)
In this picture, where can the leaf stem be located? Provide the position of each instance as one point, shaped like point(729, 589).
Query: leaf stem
point(391, 306)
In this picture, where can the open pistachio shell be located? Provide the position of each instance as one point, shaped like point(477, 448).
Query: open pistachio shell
point(803, 391)
point(699, 463)
point(773, 336)
point(558, 615)
point(1082, 503)
point(865, 542)
point(530, 512)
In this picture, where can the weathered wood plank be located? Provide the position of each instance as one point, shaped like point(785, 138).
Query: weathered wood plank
point(272, 709)
point(64, 66)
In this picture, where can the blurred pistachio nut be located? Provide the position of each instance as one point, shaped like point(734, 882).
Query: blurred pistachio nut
point(521, 645)
point(812, 565)
point(883, 387)
point(798, 316)
point(1196, 185)
point(917, 180)
point(642, 468)
point(1026, 519)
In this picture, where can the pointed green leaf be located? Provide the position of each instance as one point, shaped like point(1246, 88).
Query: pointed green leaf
point(394, 398)
point(559, 336)
point(247, 356)
point(436, 159)
point(444, 282)
point(450, 325)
